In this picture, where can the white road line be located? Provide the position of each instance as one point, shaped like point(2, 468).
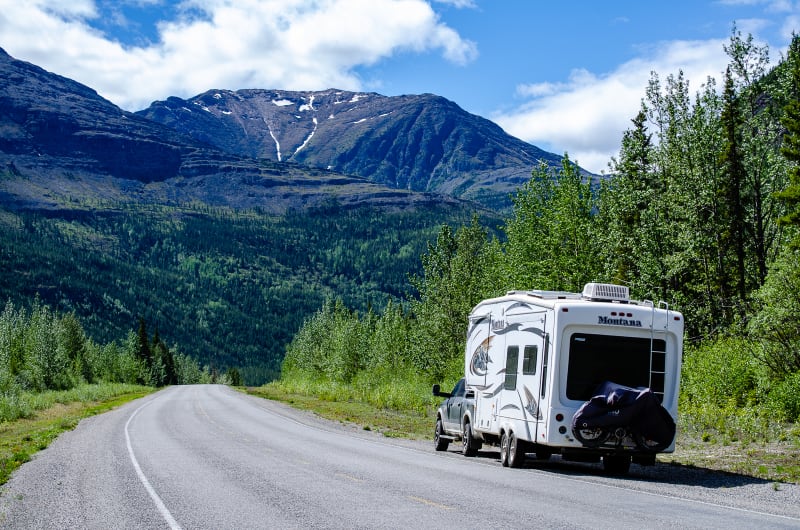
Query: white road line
point(173, 524)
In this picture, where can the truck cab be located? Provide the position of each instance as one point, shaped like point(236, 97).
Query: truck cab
point(453, 416)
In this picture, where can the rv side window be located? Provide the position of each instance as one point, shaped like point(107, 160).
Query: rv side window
point(512, 356)
point(529, 360)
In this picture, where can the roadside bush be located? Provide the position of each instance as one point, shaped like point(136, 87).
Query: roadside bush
point(783, 399)
point(721, 372)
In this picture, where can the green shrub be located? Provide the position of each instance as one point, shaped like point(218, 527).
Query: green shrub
point(783, 399)
point(720, 372)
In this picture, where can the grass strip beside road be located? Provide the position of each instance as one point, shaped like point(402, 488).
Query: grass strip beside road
point(22, 438)
point(390, 423)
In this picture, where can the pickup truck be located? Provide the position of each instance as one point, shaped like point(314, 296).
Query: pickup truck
point(454, 419)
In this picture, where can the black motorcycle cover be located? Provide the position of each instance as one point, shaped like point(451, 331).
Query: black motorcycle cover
point(635, 409)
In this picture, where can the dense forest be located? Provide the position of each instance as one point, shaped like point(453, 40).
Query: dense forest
point(230, 287)
point(41, 350)
point(701, 209)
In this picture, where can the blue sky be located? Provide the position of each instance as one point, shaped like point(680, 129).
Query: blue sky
point(565, 76)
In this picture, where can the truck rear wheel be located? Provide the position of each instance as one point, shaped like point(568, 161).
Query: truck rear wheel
point(439, 443)
point(504, 449)
point(471, 445)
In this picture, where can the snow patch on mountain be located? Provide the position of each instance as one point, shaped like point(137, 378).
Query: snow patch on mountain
point(308, 138)
point(282, 102)
point(274, 139)
point(308, 106)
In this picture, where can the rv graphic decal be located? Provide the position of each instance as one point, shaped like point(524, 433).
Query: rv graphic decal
point(501, 327)
point(477, 323)
point(480, 358)
point(533, 406)
point(519, 305)
point(619, 322)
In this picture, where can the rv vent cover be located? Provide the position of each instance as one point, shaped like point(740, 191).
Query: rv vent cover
point(606, 291)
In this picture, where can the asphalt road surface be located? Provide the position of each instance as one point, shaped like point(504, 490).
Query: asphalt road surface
point(207, 456)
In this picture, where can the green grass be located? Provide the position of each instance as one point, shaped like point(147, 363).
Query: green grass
point(50, 413)
point(389, 422)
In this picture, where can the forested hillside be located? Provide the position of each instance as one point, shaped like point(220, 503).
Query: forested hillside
point(701, 210)
point(228, 287)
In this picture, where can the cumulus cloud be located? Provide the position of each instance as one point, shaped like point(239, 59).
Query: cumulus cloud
point(289, 44)
point(587, 115)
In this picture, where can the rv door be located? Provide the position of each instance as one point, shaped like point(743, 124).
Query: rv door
point(524, 356)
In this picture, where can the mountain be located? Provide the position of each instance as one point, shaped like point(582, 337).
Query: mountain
point(113, 216)
point(59, 140)
point(416, 142)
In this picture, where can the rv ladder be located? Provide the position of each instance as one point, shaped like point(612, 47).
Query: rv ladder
point(658, 355)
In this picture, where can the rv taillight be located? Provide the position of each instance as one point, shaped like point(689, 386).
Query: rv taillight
point(559, 417)
point(676, 318)
point(565, 309)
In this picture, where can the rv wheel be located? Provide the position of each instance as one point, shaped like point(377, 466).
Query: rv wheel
point(616, 464)
point(516, 451)
point(438, 442)
point(504, 449)
point(471, 445)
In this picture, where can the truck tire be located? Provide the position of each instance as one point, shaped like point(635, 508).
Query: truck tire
point(504, 442)
point(471, 445)
point(439, 443)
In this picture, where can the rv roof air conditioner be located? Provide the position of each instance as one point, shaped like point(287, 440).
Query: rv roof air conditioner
point(606, 292)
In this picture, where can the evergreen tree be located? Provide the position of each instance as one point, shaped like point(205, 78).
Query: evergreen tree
point(143, 352)
point(551, 238)
point(457, 274)
point(791, 143)
point(736, 232)
point(73, 340)
point(234, 379)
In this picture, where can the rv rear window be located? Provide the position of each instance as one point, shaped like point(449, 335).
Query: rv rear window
point(594, 359)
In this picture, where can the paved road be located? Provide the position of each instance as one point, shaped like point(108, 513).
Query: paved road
point(210, 457)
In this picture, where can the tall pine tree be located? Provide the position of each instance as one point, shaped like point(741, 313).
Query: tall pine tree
point(791, 144)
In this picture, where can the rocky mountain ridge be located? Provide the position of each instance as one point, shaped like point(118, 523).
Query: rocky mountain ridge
point(415, 142)
point(62, 144)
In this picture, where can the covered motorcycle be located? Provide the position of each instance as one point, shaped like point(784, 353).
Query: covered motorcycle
point(616, 413)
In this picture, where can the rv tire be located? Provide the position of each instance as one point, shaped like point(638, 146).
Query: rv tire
point(471, 445)
point(516, 451)
point(616, 464)
point(440, 443)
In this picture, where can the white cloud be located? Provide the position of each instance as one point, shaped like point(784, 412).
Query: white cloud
point(289, 44)
point(587, 115)
point(459, 3)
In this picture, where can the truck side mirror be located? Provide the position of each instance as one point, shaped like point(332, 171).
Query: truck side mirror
point(435, 390)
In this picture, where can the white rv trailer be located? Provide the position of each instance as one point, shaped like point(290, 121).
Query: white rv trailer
point(534, 357)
